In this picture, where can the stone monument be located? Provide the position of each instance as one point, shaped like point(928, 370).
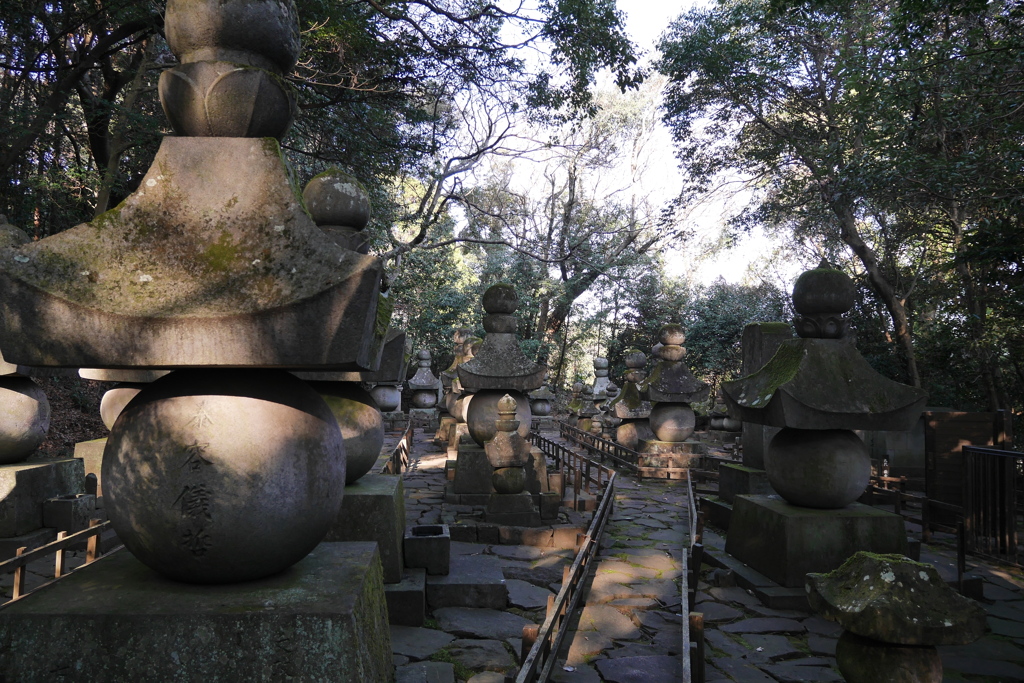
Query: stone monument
point(817, 388)
point(424, 387)
point(509, 454)
point(630, 406)
point(575, 406)
point(540, 408)
point(229, 468)
point(452, 390)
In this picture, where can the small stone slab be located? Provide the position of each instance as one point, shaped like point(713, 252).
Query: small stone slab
point(992, 670)
point(585, 645)
point(488, 677)
point(820, 645)
point(518, 552)
point(425, 672)
point(472, 581)
point(641, 669)
point(740, 670)
point(481, 654)
point(738, 596)
point(480, 623)
point(715, 612)
point(417, 643)
point(793, 673)
point(525, 595)
point(632, 650)
point(765, 625)
point(580, 673)
point(628, 605)
point(609, 622)
point(773, 647)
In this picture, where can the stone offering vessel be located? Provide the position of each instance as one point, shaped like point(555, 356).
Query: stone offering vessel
point(818, 388)
point(499, 367)
point(423, 384)
point(228, 468)
point(672, 388)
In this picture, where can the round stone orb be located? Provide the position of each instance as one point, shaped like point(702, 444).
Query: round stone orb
point(424, 399)
point(483, 413)
point(672, 422)
point(501, 298)
point(114, 401)
point(360, 421)
point(635, 358)
point(541, 407)
point(818, 468)
point(671, 335)
point(731, 425)
point(337, 198)
point(388, 397)
point(219, 476)
point(509, 480)
point(24, 418)
point(823, 290)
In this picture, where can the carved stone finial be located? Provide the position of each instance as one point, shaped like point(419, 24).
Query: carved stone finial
point(821, 298)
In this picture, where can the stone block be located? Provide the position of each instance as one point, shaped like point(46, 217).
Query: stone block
point(538, 537)
point(585, 502)
point(463, 533)
point(549, 504)
point(427, 418)
point(25, 486)
point(324, 618)
point(443, 428)
point(91, 455)
point(32, 540)
point(473, 472)
point(515, 509)
point(373, 509)
point(458, 434)
point(449, 469)
point(407, 599)
point(734, 480)
point(428, 546)
point(474, 581)
point(565, 537)
point(69, 513)
point(488, 533)
point(536, 471)
point(785, 542)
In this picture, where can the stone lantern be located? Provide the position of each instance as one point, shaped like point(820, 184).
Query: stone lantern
point(575, 406)
point(629, 405)
point(818, 389)
point(424, 387)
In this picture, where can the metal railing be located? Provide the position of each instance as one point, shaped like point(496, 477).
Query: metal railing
point(993, 495)
point(620, 455)
point(693, 557)
point(19, 563)
point(398, 462)
point(542, 643)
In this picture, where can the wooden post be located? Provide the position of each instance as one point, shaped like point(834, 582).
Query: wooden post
point(530, 633)
point(92, 547)
point(19, 575)
point(697, 644)
point(58, 567)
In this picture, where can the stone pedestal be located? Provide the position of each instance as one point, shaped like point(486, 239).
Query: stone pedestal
point(457, 433)
point(760, 342)
point(473, 471)
point(373, 509)
point(443, 429)
point(735, 480)
point(785, 542)
point(424, 417)
point(25, 486)
point(512, 509)
point(395, 421)
point(91, 455)
point(544, 423)
point(322, 619)
point(670, 454)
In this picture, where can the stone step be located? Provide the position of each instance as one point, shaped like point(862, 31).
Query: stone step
point(407, 599)
point(472, 581)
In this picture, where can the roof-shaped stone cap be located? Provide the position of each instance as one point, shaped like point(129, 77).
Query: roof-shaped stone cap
point(500, 363)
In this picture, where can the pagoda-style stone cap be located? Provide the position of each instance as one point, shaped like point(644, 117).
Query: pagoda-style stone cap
point(670, 380)
point(822, 384)
point(893, 599)
point(542, 394)
point(424, 379)
point(629, 404)
point(391, 363)
point(335, 198)
point(500, 363)
point(11, 236)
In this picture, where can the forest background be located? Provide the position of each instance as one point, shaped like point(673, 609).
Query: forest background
point(513, 142)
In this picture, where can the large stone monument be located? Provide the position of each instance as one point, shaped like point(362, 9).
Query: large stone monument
point(630, 406)
point(817, 388)
point(229, 468)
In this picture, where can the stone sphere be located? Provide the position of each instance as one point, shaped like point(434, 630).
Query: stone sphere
point(217, 476)
point(337, 198)
point(672, 422)
point(10, 235)
point(388, 397)
point(423, 355)
point(360, 421)
point(424, 399)
point(482, 414)
point(601, 364)
point(24, 418)
point(671, 352)
point(671, 335)
point(862, 660)
point(577, 387)
point(635, 359)
point(731, 425)
point(509, 480)
point(263, 33)
point(826, 468)
point(460, 407)
point(501, 298)
point(823, 290)
point(114, 401)
point(541, 407)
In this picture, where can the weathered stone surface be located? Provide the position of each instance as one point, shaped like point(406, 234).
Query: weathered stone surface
point(425, 672)
point(585, 645)
point(162, 282)
point(407, 599)
point(785, 542)
point(473, 471)
point(736, 480)
point(609, 622)
point(525, 595)
point(26, 486)
point(480, 623)
point(24, 418)
point(481, 654)
point(428, 546)
point(818, 468)
point(360, 423)
point(895, 600)
point(473, 581)
point(337, 198)
point(223, 475)
point(765, 625)
point(373, 509)
point(418, 643)
point(321, 619)
point(640, 669)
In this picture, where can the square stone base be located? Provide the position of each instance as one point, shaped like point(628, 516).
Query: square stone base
point(512, 509)
point(91, 455)
point(407, 599)
point(458, 434)
point(785, 542)
point(427, 418)
point(117, 620)
point(670, 454)
point(473, 471)
point(735, 480)
point(373, 509)
point(25, 486)
point(443, 427)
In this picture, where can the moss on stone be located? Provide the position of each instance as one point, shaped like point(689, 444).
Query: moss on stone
point(385, 307)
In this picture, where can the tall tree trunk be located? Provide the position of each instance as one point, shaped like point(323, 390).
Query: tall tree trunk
point(883, 288)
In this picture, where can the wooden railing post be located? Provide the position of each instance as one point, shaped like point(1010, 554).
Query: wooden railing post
point(19, 575)
point(92, 546)
point(58, 565)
